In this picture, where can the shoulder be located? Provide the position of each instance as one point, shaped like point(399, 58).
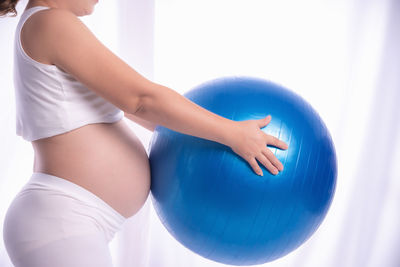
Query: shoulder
point(52, 19)
point(47, 33)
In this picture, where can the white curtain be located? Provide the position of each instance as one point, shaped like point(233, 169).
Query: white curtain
point(342, 56)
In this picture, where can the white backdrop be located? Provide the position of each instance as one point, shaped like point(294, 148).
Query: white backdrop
point(342, 56)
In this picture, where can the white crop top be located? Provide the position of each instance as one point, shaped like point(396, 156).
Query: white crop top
point(50, 101)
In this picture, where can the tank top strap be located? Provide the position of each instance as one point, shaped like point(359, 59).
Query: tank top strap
point(29, 12)
point(17, 38)
point(24, 16)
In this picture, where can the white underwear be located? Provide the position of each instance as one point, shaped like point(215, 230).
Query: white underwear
point(54, 222)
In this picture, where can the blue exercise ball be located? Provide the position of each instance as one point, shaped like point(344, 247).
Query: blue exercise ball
point(211, 200)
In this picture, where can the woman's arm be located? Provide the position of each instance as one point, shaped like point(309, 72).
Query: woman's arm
point(163, 106)
point(72, 47)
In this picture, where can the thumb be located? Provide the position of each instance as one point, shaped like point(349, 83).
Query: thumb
point(264, 121)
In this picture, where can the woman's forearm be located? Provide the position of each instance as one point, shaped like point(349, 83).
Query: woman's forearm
point(163, 106)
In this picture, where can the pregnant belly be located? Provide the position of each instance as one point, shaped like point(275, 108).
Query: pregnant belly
point(104, 158)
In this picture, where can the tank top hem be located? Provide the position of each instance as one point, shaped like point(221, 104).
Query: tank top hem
point(76, 125)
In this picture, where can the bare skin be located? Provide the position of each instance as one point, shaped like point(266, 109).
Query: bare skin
point(107, 158)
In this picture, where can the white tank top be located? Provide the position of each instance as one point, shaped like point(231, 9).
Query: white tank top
point(50, 101)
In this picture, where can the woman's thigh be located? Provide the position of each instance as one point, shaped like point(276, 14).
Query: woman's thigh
point(46, 225)
point(74, 251)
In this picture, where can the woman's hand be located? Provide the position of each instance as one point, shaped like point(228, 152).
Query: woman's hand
point(250, 142)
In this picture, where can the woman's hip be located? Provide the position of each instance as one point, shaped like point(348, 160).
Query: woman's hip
point(49, 207)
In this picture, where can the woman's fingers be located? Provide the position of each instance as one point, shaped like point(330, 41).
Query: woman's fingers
point(272, 140)
point(269, 138)
point(249, 148)
point(253, 163)
point(264, 161)
point(267, 163)
point(264, 121)
point(274, 160)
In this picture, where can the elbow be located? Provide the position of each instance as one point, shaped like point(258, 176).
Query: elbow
point(144, 102)
point(133, 104)
point(139, 112)
point(144, 108)
point(138, 106)
point(142, 98)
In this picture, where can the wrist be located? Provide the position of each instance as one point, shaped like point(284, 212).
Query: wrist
point(229, 132)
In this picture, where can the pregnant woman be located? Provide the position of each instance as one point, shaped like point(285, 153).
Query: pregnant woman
point(90, 171)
